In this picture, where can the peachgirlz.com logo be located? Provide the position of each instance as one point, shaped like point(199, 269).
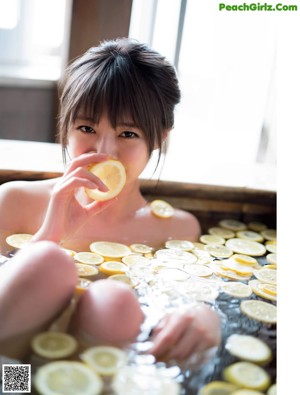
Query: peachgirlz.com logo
point(257, 7)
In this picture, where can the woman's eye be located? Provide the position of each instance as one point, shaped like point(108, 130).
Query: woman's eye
point(86, 129)
point(128, 134)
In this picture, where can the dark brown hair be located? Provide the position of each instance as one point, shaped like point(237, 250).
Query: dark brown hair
point(128, 81)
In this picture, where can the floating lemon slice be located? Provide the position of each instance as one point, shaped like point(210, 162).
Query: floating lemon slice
point(237, 289)
point(269, 234)
point(267, 291)
point(84, 270)
point(198, 270)
point(271, 247)
point(133, 259)
point(228, 274)
point(250, 235)
point(112, 173)
point(113, 267)
point(105, 360)
point(232, 224)
point(124, 279)
point(161, 209)
point(218, 388)
point(248, 348)
point(247, 375)
point(203, 256)
point(54, 345)
point(244, 259)
point(246, 247)
point(272, 258)
point(138, 380)
point(183, 245)
point(222, 232)
point(212, 239)
point(110, 249)
point(141, 248)
point(218, 250)
point(66, 377)
point(272, 390)
point(175, 256)
point(247, 392)
point(238, 268)
point(89, 258)
point(198, 246)
point(256, 226)
point(18, 240)
point(82, 285)
point(173, 274)
point(259, 311)
point(268, 276)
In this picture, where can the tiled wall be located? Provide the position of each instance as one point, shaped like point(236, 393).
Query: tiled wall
point(28, 113)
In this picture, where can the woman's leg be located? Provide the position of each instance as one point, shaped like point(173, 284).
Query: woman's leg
point(107, 313)
point(35, 286)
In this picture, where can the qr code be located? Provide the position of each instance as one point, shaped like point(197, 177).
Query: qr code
point(16, 378)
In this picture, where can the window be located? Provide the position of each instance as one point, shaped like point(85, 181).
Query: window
point(226, 65)
point(33, 38)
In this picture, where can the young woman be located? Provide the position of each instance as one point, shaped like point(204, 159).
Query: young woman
point(117, 101)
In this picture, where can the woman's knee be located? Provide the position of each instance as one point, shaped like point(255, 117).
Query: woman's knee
point(109, 312)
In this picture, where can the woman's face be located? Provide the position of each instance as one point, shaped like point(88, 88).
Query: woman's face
point(125, 143)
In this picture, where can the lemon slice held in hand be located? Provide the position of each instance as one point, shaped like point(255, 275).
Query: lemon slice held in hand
point(113, 174)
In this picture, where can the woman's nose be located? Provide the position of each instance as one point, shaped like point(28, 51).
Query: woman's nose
point(106, 145)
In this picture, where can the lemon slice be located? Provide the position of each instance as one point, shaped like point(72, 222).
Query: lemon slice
point(89, 258)
point(247, 375)
point(228, 274)
point(222, 232)
point(201, 291)
point(232, 224)
point(238, 268)
point(113, 267)
point(256, 226)
point(245, 259)
point(54, 345)
point(203, 256)
point(69, 252)
point(198, 246)
point(271, 248)
point(246, 247)
point(82, 285)
point(183, 245)
point(247, 392)
point(272, 390)
point(212, 239)
point(110, 249)
point(18, 240)
point(272, 258)
point(140, 381)
point(84, 270)
point(124, 279)
point(175, 256)
point(173, 274)
point(259, 311)
point(218, 388)
point(267, 291)
point(250, 235)
point(141, 248)
point(66, 377)
point(112, 173)
point(249, 348)
point(237, 289)
point(198, 270)
point(105, 360)
point(161, 209)
point(218, 250)
point(133, 259)
point(269, 234)
point(268, 276)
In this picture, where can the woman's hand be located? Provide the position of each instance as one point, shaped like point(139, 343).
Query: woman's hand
point(182, 333)
point(65, 214)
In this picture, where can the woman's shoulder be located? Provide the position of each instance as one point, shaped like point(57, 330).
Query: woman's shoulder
point(19, 200)
point(188, 221)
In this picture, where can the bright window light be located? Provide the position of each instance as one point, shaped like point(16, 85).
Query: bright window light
point(9, 13)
